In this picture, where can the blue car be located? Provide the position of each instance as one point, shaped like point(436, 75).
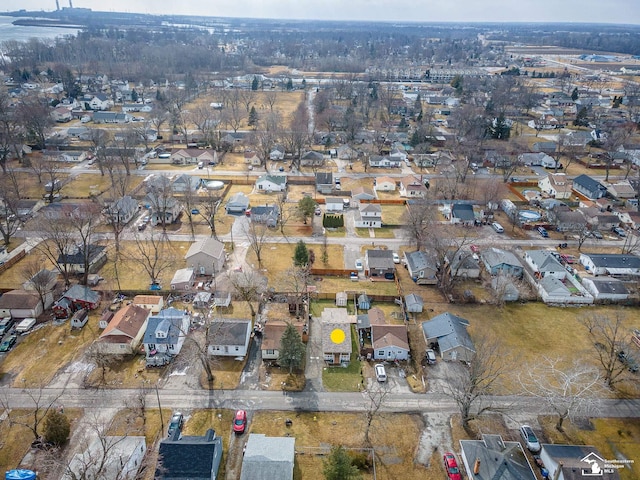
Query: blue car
point(543, 231)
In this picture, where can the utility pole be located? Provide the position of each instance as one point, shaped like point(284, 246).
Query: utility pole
point(159, 408)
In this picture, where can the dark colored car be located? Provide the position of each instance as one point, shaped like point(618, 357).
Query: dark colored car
point(543, 231)
point(176, 423)
point(628, 361)
point(5, 325)
point(240, 421)
point(451, 466)
point(8, 343)
point(619, 231)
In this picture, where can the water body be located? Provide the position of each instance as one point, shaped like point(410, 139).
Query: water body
point(8, 31)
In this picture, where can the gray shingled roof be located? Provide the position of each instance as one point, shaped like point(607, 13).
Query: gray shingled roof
point(450, 331)
point(268, 458)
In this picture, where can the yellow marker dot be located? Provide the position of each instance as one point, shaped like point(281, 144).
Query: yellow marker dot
point(337, 336)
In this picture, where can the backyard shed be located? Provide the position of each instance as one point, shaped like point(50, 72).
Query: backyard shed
point(341, 299)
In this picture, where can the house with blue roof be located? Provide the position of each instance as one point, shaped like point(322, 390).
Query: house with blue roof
point(448, 333)
point(589, 187)
point(165, 335)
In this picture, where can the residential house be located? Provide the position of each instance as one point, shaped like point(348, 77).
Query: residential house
point(189, 457)
point(413, 303)
point(312, 159)
point(368, 215)
point(336, 336)
point(163, 206)
point(74, 258)
point(605, 289)
point(82, 296)
point(599, 220)
point(186, 183)
point(334, 205)
point(563, 291)
point(122, 210)
point(111, 117)
point(265, 214)
point(81, 133)
point(21, 304)
point(277, 153)
point(153, 303)
point(234, 139)
point(237, 204)
point(107, 458)
point(324, 182)
point(72, 156)
point(61, 115)
point(463, 265)
point(206, 257)
point(389, 342)
point(567, 220)
point(574, 462)
point(271, 183)
point(398, 154)
point(272, 336)
point(422, 267)
point(385, 184)
point(577, 138)
point(252, 158)
point(462, 214)
point(363, 193)
point(556, 185)
point(493, 458)
point(543, 263)
point(546, 147)
point(229, 338)
point(379, 161)
point(501, 261)
point(614, 264)
point(136, 107)
point(378, 263)
point(124, 332)
point(346, 152)
point(44, 280)
point(630, 218)
point(589, 187)
point(449, 333)
point(621, 190)
point(100, 101)
point(412, 187)
point(183, 279)
point(165, 335)
point(268, 458)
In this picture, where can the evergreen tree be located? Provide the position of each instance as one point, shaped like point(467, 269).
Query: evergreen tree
point(306, 207)
point(301, 255)
point(289, 84)
point(253, 117)
point(417, 105)
point(56, 428)
point(574, 94)
point(456, 83)
point(304, 84)
point(582, 119)
point(134, 95)
point(292, 350)
point(255, 84)
point(338, 466)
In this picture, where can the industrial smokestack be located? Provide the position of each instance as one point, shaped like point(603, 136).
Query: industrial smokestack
point(57, 6)
point(70, 4)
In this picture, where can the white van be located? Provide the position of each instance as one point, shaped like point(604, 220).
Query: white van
point(200, 165)
point(381, 373)
point(497, 227)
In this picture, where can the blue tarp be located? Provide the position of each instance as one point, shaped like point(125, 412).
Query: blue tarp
point(20, 475)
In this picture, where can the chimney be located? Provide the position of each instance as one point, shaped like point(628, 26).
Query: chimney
point(476, 467)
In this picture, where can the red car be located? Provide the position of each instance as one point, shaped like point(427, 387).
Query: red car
point(240, 421)
point(474, 248)
point(451, 466)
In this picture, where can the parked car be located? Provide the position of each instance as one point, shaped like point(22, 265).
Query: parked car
point(317, 211)
point(543, 231)
point(619, 231)
point(451, 466)
point(568, 258)
point(141, 226)
point(597, 234)
point(497, 227)
point(396, 258)
point(475, 248)
point(8, 343)
point(240, 421)
point(381, 373)
point(430, 356)
point(529, 438)
point(389, 276)
point(359, 265)
point(176, 423)
point(5, 325)
point(353, 276)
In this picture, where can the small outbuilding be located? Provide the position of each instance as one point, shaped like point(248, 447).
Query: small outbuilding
point(183, 279)
point(341, 299)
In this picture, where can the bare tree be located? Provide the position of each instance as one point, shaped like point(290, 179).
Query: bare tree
point(249, 286)
point(450, 244)
point(295, 281)
point(609, 336)
point(10, 216)
point(569, 391)
point(58, 240)
point(614, 140)
point(257, 235)
point(298, 135)
point(38, 279)
point(100, 140)
point(376, 394)
point(154, 254)
point(104, 362)
point(34, 115)
point(417, 220)
point(471, 385)
point(32, 416)
point(10, 132)
point(209, 207)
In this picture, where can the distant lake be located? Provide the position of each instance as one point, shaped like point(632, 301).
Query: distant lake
point(8, 31)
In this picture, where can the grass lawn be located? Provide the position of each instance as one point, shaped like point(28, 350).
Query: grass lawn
point(393, 214)
point(615, 438)
point(333, 285)
point(394, 438)
point(39, 355)
point(16, 439)
point(345, 379)
point(128, 372)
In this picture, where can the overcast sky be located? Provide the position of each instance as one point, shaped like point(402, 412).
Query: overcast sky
point(590, 11)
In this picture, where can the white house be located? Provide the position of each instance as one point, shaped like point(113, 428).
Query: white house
point(183, 279)
point(543, 264)
point(369, 215)
point(412, 187)
point(389, 342)
point(615, 264)
point(271, 183)
point(556, 185)
point(153, 303)
point(606, 288)
point(277, 153)
point(165, 335)
point(108, 457)
point(334, 205)
point(229, 338)
point(385, 184)
point(563, 291)
point(206, 256)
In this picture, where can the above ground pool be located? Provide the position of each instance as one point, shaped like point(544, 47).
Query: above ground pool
point(529, 215)
point(214, 185)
